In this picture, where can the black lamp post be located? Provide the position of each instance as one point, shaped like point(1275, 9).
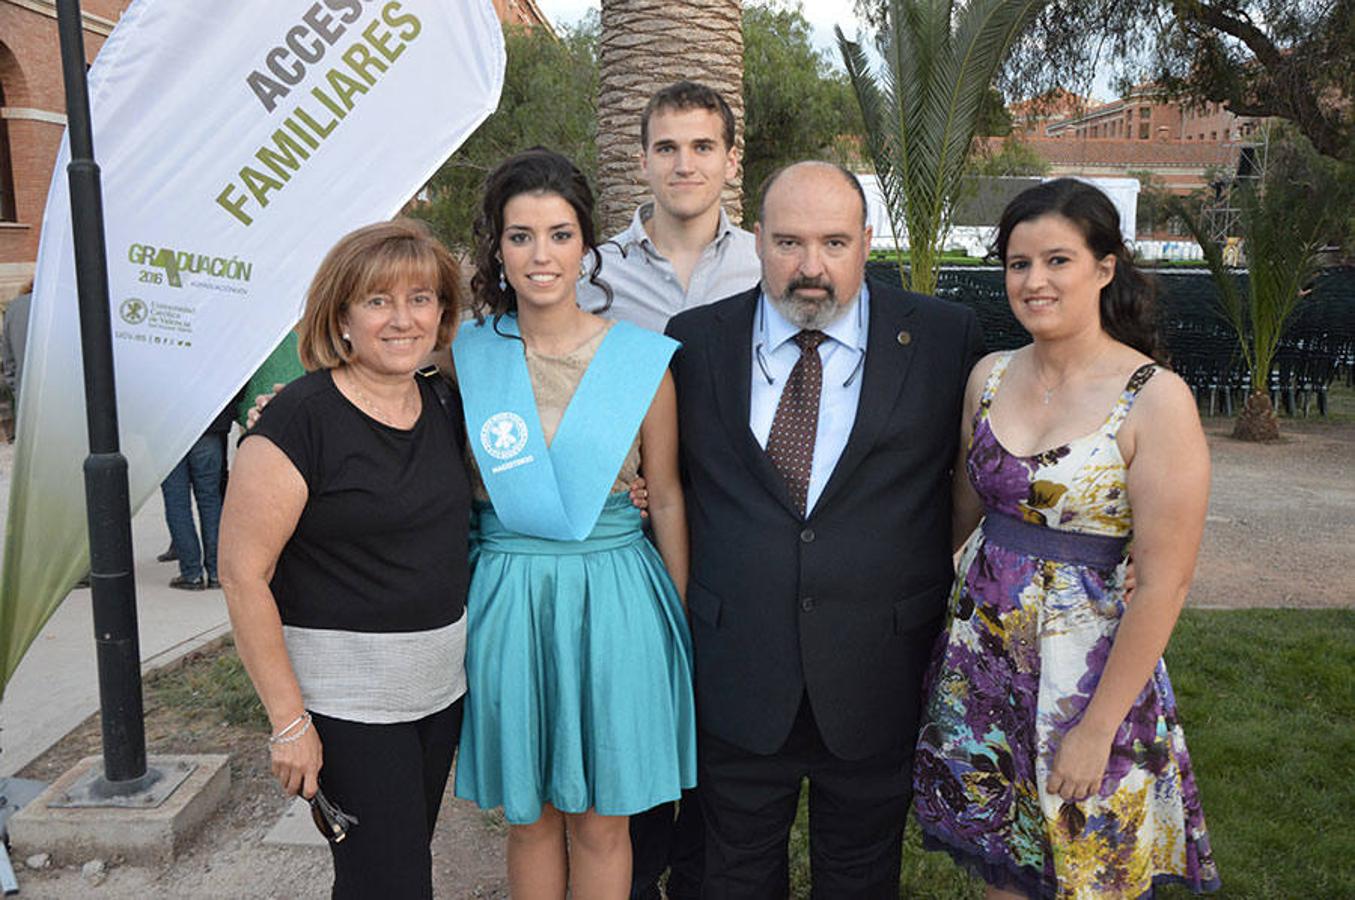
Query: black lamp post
point(106, 491)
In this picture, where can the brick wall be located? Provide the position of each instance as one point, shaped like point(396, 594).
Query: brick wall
point(1212, 122)
point(30, 74)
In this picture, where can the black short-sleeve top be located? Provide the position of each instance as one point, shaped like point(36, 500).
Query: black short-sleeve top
point(381, 543)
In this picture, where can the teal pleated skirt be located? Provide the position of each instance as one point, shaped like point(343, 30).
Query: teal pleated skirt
point(579, 673)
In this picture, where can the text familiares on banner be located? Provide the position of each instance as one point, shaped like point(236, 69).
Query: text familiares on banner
point(384, 39)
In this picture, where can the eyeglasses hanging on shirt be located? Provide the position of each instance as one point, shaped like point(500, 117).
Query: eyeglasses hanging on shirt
point(759, 351)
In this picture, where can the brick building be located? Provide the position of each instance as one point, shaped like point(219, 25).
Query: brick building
point(1143, 115)
point(520, 12)
point(32, 113)
point(1137, 117)
point(32, 116)
point(1178, 166)
point(1213, 122)
point(1033, 118)
point(1184, 148)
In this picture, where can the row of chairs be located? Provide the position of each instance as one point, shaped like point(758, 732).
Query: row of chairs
point(1301, 376)
point(1318, 346)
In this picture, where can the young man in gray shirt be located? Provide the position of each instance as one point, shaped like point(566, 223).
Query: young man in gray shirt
point(679, 251)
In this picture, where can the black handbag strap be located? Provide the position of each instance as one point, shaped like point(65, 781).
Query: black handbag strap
point(442, 387)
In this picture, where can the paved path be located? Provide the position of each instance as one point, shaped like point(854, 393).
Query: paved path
point(56, 686)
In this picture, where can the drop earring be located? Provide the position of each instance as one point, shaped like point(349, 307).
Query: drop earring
point(503, 282)
point(583, 269)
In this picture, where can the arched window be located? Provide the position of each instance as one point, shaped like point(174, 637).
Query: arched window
point(8, 212)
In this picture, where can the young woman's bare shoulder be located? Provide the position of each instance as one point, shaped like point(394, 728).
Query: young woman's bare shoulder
point(982, 369)
point(1164, 414)
point(1166, 393)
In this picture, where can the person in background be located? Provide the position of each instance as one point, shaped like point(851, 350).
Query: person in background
point(282, 366)
point(13, 338)
point(198, 479)
point(344, 556)
point(1051, 759)
point(679, 252)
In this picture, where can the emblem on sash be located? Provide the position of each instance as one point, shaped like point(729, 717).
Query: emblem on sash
point(504, 435)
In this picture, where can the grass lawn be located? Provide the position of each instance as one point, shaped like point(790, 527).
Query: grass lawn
point(1267, 698)
point(1340, 403)
point(1268, 702)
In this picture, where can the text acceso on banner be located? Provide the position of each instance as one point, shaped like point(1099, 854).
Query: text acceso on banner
point(383, 40)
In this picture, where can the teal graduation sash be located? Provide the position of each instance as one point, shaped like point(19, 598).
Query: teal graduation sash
point(554, 492)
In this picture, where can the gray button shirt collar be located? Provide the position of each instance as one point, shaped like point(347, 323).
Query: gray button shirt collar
point(645, 288)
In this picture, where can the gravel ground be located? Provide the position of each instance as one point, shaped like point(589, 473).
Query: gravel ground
point(1281, 527)
point(228, 859)
point(1280, 532)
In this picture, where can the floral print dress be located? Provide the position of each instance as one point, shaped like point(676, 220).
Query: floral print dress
point(1029, 637)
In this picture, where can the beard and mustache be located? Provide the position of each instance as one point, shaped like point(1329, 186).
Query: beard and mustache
point(810, 313)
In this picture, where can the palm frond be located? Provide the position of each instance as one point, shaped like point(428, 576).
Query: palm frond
point(1282, 258)
point(1229, 300)
point(878, 103)
point(1282, 252)
point(938, 62)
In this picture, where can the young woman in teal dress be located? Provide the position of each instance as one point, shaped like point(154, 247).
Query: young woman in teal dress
point(1052, 761)
point(578, 657)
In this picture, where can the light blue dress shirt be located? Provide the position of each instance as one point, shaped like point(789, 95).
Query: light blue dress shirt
point(843, 356)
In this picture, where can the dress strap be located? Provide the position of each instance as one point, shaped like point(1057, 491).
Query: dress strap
point(994, 378)
point(1128, 396)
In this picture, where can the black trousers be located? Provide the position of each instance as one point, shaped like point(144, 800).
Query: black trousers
point(857, 811)
point(392, 778)
point(661, 841)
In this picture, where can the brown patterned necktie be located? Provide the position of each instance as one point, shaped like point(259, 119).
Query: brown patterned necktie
point(790, 445)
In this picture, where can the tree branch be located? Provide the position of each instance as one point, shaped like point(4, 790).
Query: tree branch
point(1281, 88)
point(1256, 40)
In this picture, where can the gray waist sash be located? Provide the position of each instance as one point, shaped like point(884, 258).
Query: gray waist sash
point(1100, 551)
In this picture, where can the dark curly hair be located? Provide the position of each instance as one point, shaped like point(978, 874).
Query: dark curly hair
point(1128, 302)
point(534, 171)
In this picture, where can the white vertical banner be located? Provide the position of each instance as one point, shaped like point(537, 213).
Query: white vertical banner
point(237, 142)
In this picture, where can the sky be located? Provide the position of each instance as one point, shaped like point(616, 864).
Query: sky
point(822, 16)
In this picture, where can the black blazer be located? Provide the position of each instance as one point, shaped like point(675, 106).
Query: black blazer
point(847, 603)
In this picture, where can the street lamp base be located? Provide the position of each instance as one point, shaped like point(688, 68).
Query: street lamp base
point(146, 828)
point(146, 792)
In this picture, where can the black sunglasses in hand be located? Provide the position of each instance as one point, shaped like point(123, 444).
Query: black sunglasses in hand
point(332, 822)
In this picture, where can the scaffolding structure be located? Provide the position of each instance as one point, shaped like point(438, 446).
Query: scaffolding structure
point(1223, 214)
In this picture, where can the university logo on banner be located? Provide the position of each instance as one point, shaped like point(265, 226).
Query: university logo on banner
point(237, 142)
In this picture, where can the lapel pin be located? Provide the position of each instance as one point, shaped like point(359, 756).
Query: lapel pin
point(905, 338)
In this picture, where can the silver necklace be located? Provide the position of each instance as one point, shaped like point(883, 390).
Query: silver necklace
point(1049, 391)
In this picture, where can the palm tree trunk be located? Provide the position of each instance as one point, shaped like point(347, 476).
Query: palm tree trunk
point(647, 45)
point(1257, 420)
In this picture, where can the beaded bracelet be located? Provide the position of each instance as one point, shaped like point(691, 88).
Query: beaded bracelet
point(282, 737)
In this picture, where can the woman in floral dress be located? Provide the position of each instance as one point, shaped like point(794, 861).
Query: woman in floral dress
point(1051, 761)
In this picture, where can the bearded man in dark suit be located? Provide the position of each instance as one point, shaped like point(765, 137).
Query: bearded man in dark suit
point(819, 417)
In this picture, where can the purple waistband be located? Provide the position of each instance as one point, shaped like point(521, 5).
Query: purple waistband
point(1042, 542)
